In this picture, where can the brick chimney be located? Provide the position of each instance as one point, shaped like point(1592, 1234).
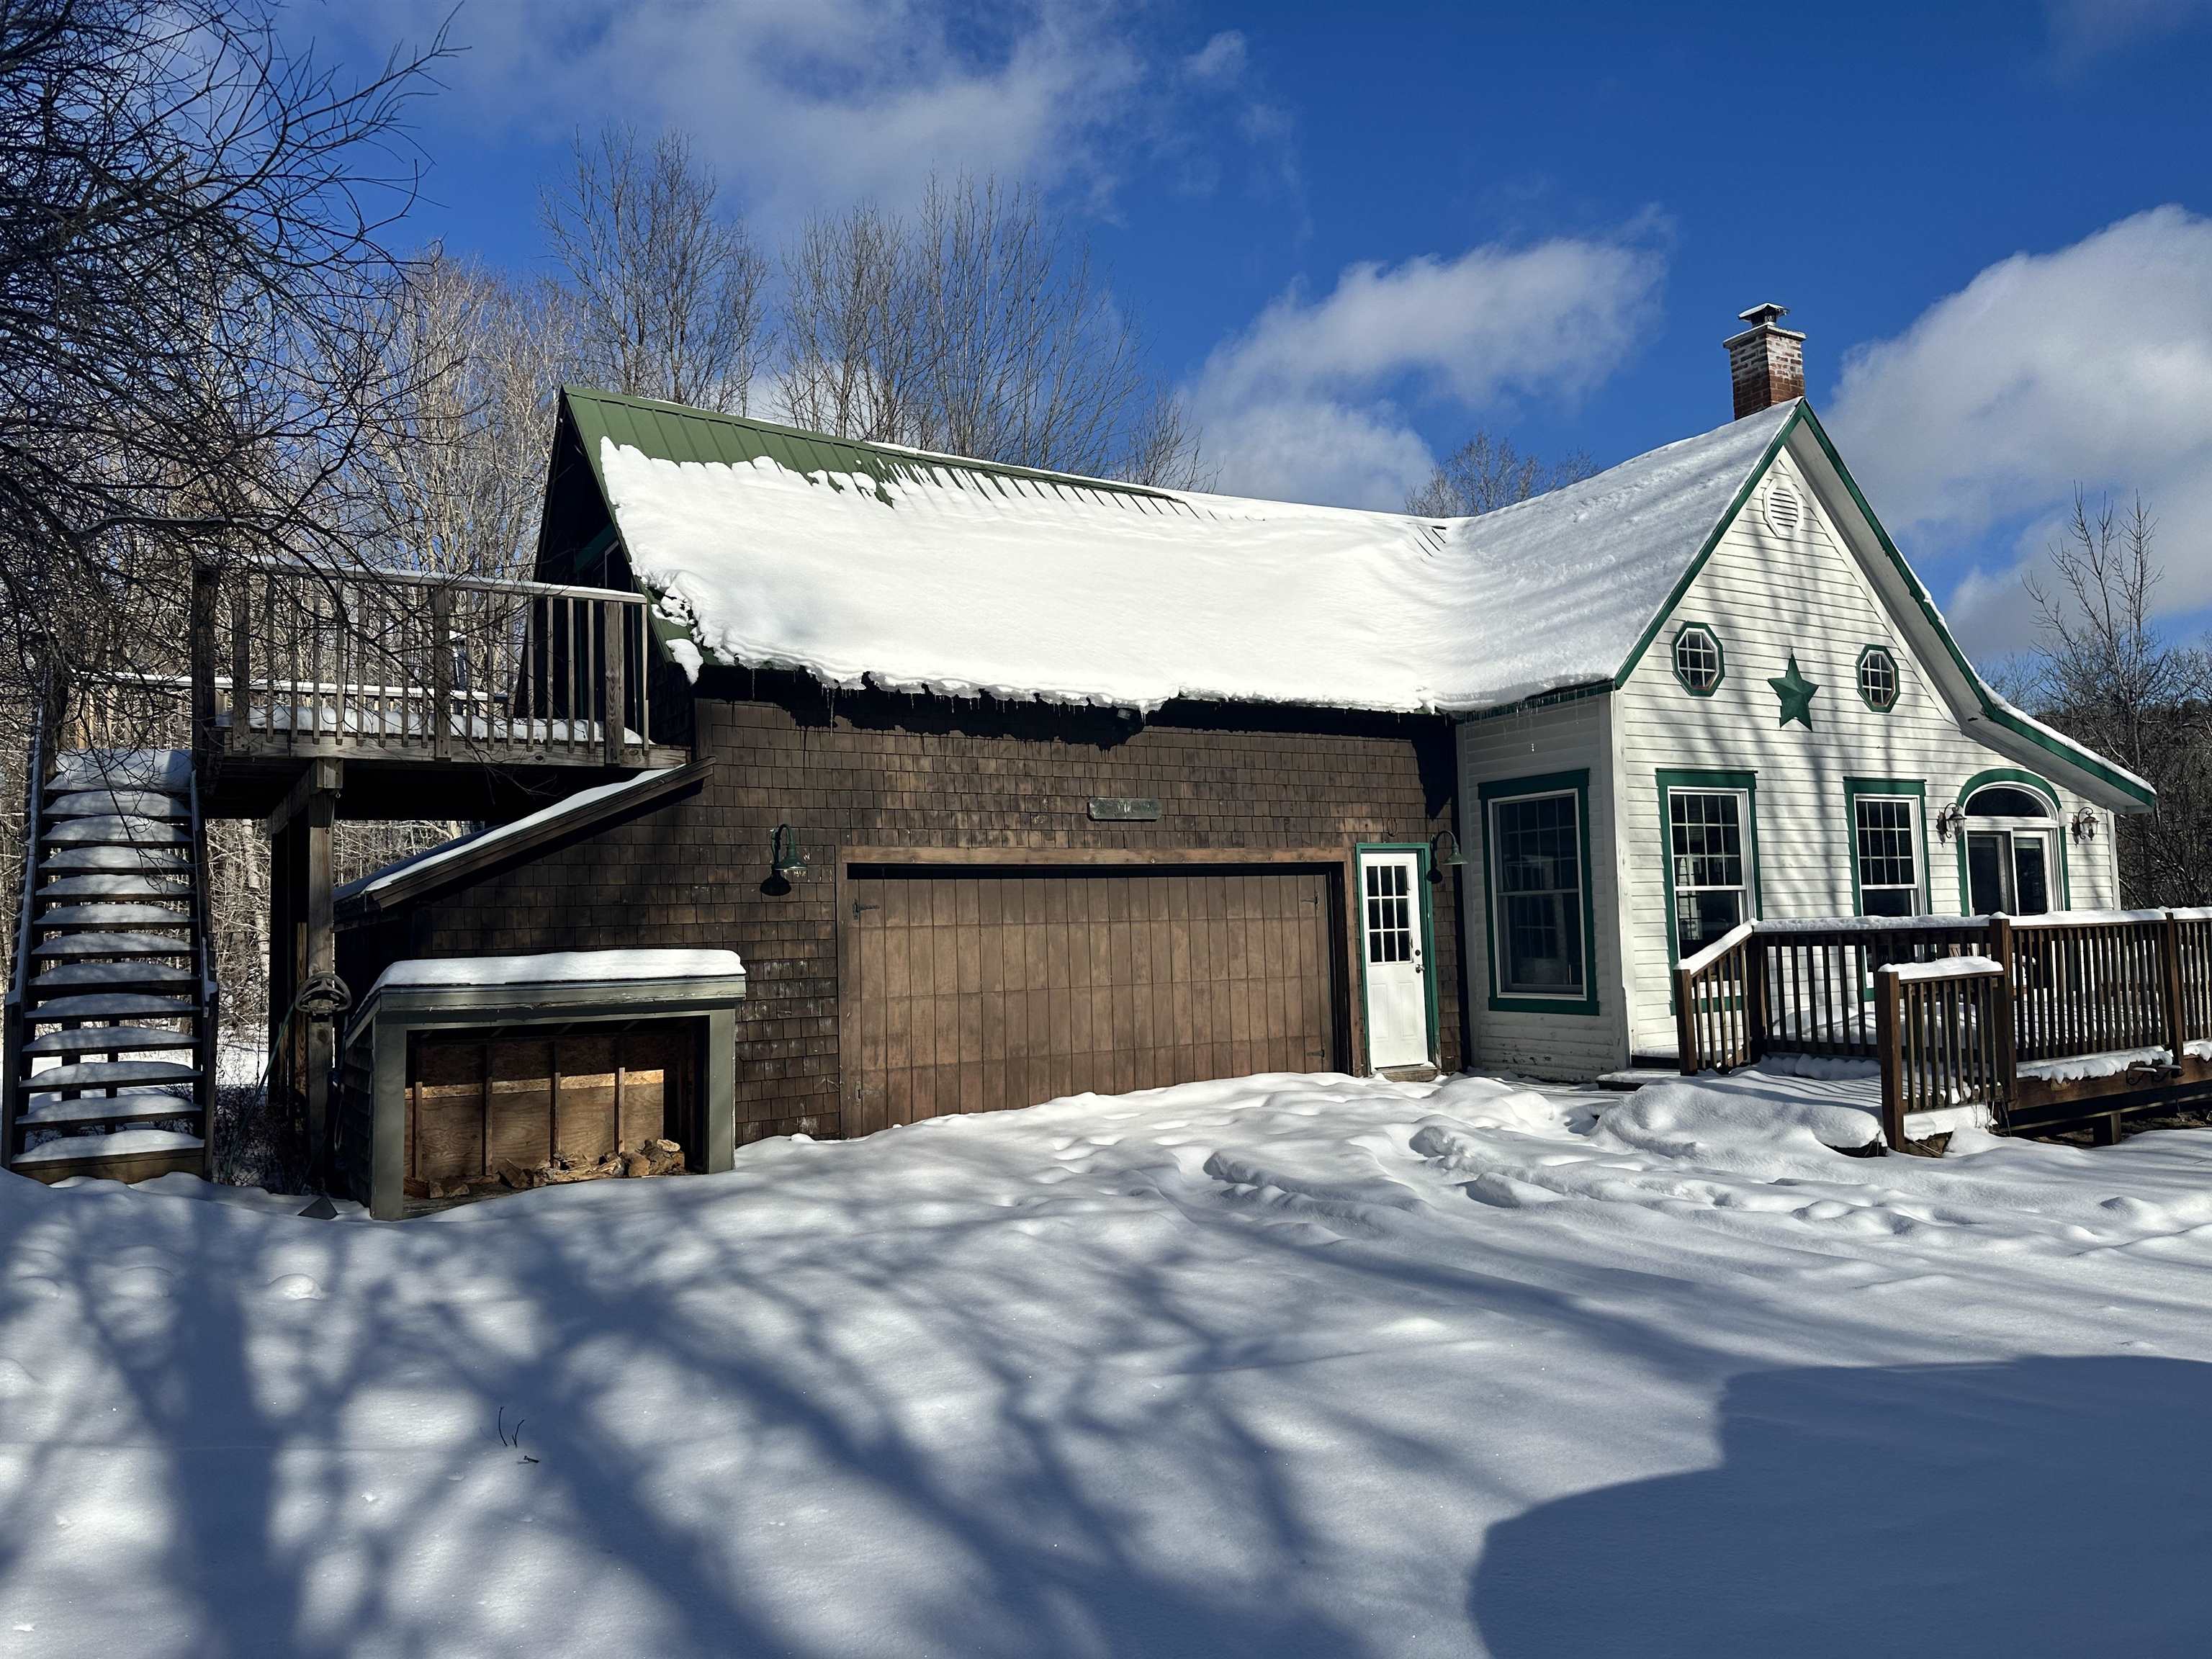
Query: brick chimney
point(1767, 362)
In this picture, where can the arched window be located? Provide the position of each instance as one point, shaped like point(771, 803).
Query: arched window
point(2001, 801)
point(2012, 851)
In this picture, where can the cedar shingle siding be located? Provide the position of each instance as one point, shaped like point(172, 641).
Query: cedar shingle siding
point(881, 772)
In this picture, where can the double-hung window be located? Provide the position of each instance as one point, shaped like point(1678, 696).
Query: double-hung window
point(1709, 853)
point(1887, 862)
point(1539, 880)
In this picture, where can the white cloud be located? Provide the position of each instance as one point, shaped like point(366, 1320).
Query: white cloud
point(2090, 365)
point(819, 103)
point(2084, 29)
point(1307, 403)
point(1221, 58)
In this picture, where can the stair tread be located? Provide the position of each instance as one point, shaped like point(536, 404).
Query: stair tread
point(106, 803)
point(111, 830)
point(112, 1004)
point(108, 976)
point(130, 1106)
point(108, 1073)
point(131, 860)
point(165, 769)
point(112, 944)
point(124, 1143)
point(124, 887)
point(109, 1039)
point(112, 913)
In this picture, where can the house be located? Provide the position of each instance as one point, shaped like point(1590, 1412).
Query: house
point(1007, 784)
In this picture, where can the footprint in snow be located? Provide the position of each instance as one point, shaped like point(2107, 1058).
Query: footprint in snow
point(150, 1283)
point(1826, 1209)
point(295, 1287)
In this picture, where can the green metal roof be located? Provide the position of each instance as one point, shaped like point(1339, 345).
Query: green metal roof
point(672, 432)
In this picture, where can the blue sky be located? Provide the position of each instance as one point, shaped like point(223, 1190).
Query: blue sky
point(1352, 235)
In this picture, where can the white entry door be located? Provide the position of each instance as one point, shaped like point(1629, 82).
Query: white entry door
point(1397, 973)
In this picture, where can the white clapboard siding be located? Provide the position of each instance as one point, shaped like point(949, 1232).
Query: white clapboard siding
point(1562, 738)
point(1766, 594)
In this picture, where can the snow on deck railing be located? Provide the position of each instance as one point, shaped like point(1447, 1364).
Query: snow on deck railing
point(1946, 968)
point(1960, 1009)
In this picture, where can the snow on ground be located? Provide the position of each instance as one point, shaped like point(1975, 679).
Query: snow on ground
point(1288, 1366)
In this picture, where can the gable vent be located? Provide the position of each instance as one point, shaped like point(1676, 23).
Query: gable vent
point(1784, 511)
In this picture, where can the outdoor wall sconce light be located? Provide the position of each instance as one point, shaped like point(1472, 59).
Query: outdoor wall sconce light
point(786, 859)
point(1444, 853)
point(2084, 825)
point(1948, 820)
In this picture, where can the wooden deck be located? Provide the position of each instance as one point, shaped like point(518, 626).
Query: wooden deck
point(2033, 1021)
point(409, 679)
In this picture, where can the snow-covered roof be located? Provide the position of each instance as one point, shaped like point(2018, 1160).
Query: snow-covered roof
point(582, 804)
point(868, 563)
point(559, 967)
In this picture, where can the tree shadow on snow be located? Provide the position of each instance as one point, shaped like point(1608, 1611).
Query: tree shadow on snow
point(2041, 1505)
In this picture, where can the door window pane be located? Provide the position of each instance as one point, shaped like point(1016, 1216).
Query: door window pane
point(1389, 913)
point(2030, 857)
point(1705, 842)
point(1536, 851)
point(1888, 853)
point(1985, 872)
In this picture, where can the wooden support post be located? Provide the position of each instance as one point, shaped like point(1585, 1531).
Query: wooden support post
point(302, 953)
point(441, 674)
point(1686, 1023)
point(2104, 1129)
point(2169, 963)
point(321, 776)
point(1889, 1043)
point(201, 628)
point(1754, 999)
point(2008, 1047)
point(321, 950)
point(241, 663)
point(387, 1139)
point(284, 976)
point(610, 677)
point(718, 1112)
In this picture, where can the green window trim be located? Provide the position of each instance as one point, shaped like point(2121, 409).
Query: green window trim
point(1915, 790)
point(1720, 658)
point(1427, 908)
point(1896, 678)
point(2024, 780)
point(1693, 778)
point(1548, 783)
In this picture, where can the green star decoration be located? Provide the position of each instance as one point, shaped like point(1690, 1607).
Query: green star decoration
point(1796, 694)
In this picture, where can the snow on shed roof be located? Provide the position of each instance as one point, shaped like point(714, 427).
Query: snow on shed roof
point(868, 563)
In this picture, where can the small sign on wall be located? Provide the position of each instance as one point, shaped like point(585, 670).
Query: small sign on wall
point(1123, 809)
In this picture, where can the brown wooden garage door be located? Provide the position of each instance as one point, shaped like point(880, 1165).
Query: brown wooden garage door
point(969, 989)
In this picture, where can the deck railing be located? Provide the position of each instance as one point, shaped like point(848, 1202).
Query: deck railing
point(1986, 1010)
point(1944, 1032)
point(298, 658)
point(2088, 987)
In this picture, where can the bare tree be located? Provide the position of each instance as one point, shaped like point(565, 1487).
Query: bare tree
point(455, 479)
point(191, 240)
point(667, 287)
point(2101, 673)
point(975, 327)
point(1485, 473)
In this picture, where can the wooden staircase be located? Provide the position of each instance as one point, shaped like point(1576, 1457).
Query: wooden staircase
point(111, 1014)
